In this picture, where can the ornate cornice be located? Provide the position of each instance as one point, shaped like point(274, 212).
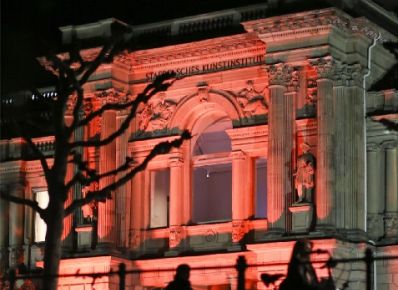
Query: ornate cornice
point(315, 21)
point(229, 47)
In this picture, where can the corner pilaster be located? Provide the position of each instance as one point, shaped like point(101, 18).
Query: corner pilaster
point(283, 81)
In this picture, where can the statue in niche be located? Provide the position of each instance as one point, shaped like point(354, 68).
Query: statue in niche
point(156, 114)
point(305, 175)
point(89, 209)
point(252, 101)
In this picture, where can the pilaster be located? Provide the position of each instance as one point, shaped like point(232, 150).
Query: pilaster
point(106, 210)
point(340, 200)
point(375, 205)
point(283, 81)
point(391, 213)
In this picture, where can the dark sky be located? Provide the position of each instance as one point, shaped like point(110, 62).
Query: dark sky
point(30, 28)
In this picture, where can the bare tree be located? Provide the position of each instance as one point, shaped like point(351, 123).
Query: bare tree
point(72, 74)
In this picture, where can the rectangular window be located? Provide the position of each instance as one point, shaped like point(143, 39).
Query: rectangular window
point(160, 188)
point(40, 226)
point(261, 188)
point(212, 193)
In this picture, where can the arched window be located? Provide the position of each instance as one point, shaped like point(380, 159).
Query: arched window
point(212, 174)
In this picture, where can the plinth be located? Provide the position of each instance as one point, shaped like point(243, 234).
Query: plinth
point(302, 215)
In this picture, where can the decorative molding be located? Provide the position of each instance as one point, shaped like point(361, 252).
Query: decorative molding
point(185, 54)
point(313, 22)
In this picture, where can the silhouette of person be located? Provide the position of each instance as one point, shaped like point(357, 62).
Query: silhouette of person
point(300, 274)
point(181, 279)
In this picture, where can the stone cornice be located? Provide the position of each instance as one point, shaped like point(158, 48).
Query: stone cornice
point(201, 51)
point(314, 22)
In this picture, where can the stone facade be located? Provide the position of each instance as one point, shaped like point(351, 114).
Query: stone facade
point(289, 82)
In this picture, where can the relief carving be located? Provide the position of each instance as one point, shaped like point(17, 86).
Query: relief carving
point(211, 236)
point(305, 175)
point(176, 236)
point(324, 67)
point(156, 114)
point(238, 231)
point(251, 101)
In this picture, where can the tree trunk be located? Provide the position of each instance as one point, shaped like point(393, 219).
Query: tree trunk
point(53, 246)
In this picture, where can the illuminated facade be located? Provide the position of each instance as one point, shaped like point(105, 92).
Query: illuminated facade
point(281, 150)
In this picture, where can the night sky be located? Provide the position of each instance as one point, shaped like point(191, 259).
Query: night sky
point(30, 28)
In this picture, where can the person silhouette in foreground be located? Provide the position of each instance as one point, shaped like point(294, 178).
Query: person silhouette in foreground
point(181, 279)
point(300, 274)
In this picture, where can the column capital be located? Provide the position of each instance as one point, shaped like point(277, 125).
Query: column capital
point(373, 147)
point(343, 74)
point(283, 74)
point(176, 162)
point(390, 144)
point(238, 155)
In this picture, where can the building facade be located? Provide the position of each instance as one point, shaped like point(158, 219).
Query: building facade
point(288, 143)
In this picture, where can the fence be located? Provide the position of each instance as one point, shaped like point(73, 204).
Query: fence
point(241, 266)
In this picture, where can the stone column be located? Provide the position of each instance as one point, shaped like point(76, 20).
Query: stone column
point(391, 173)
point(16, 225)
point(122, 218)
point(281, 117)
point(240, 193)
point(325, 120)
point(137, 221)
point(375, 204)
point(106, 210)
point(4, 224)
point(176, 201)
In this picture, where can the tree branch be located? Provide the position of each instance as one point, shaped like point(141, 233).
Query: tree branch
point(141, 98)
point(150, 90)
point(35, 150)
point(105, 193)
point(24, 201)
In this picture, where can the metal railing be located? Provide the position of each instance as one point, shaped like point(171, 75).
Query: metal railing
point(241, 267)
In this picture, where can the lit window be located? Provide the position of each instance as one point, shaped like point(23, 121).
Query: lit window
point(212, 174)
point(40, 225)
point(160, 187)
point(261, 188)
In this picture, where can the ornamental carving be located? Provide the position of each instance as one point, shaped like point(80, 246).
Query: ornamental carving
point(251, 100)
point(238, 231)
point(341, 73)
point(307, 22)
point(176, 236)
point(391, 225)
point(211, 236)
point(283, 75)
point(156, 114)
point(112, 96)
point(324, 67)
point(304, 177)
